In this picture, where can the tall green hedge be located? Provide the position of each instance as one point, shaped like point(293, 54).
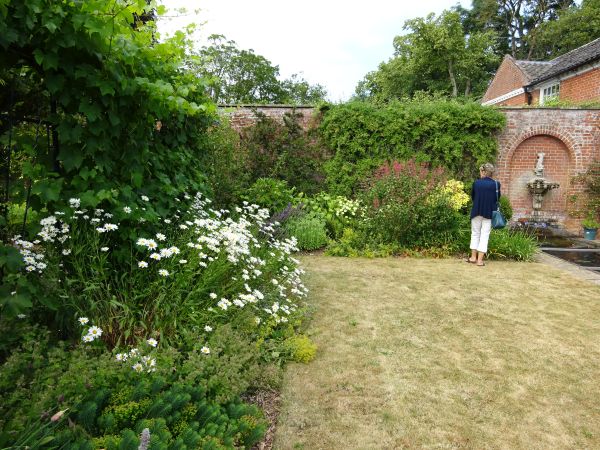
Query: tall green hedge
point(361, 136)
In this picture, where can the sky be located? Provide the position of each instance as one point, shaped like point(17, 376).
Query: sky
point(334, 43)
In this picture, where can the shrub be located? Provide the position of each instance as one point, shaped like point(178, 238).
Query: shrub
point(283, 151)
point(225, 163)
point(122, 132)
point(108, 404)
point(309, 231)
point(301, 348)
point(275, 195)
point(506, 208)
point(407, 205)
point(339, 212)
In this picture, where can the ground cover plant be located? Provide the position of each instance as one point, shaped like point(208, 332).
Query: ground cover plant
point(422, 353)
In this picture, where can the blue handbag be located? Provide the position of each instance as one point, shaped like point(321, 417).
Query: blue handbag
point(498, 220)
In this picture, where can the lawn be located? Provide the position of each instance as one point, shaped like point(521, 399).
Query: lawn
point(422, 353)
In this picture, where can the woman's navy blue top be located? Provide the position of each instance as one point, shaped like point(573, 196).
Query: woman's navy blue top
point(484, 197)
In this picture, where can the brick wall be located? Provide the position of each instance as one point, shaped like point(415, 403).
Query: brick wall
point(582, 87)
point(508, 78)
point(519, 100)
point(570, 140)
point(244, 115)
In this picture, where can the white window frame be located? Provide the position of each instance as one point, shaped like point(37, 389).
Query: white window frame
point(549, 91)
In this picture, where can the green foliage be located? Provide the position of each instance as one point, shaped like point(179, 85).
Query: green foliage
point(109, 404)
point(242, 76)
point(436, 55)
point(407, 206)
point(363, 136)
point(125, 117)
point(506, 208)
point(517, 24)
point(225, 164)
point(512, 244)
point(339, 212)
point(270, 193)
point(301, 348)
point(574, 27)
point(141, 279)
point(590, 222)
point(309, 230)
point(283, 151)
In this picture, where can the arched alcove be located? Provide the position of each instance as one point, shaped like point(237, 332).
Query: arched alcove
point(558, 167)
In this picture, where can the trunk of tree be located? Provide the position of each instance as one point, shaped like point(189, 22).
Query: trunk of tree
point(468, 87)
point(452, 79)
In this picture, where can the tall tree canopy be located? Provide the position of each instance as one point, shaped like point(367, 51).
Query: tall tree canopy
point(456, 53)
point(435, 56)
point(516, 22)
point(241, 76)
point(574, 27)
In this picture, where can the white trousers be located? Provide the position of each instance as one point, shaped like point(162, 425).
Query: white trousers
point(480, 233)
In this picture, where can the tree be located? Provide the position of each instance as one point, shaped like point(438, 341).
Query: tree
point(574, 27)
point(436, 56)
point(242, 76)
point(516, 22)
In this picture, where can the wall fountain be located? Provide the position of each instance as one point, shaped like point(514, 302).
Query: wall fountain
point(539, 186)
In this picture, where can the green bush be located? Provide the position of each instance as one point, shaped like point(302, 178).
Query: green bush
point(362, 136)
point(301, 348)
point(275, 195)
point(129, 118)
point(225, 161)
point(164, 280)
point(339, 212)
point(408, 206)
point(108, 403)
point(309, 230)
point(283, 151)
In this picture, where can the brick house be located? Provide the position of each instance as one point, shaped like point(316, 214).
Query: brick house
point(573, 77)
point(568, 137)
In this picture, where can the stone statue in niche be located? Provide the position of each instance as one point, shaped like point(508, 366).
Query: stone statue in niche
point(539, 165)
point(539, 186)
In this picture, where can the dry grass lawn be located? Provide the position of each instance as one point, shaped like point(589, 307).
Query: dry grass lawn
point(440, 354)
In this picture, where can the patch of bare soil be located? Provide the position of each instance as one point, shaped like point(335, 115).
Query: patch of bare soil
point(269, 401)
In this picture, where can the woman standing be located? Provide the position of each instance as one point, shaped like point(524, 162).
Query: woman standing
point(485, 194)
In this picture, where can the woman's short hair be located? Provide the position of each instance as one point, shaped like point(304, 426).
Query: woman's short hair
point(487, 169)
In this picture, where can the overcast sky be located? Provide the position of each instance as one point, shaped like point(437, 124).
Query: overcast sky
point(330, 42)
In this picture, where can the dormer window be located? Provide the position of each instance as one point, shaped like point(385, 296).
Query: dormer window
point(549, 92)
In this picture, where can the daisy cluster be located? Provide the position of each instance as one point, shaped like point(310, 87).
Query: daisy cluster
point(139, 362)
point(215, 234)
point(93, 332)
point(56, 230)
point(32, 254)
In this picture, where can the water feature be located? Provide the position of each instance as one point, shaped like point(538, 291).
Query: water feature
point(552, 239)
point(567, 247)
point(539, 186)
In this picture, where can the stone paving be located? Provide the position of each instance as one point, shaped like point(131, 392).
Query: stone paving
point(573, 269)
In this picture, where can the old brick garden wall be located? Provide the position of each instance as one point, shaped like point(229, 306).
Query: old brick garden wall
point(570, 140)
point(241, 116)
